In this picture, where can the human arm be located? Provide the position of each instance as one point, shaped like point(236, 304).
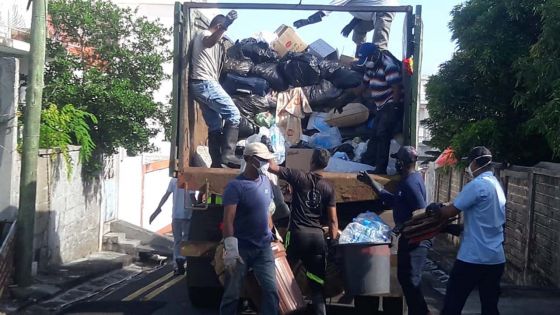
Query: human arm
point(211, 40)
point(333, 222)
point(162, 201)
point(387, 197)
point(231, 247)
point(312, 19)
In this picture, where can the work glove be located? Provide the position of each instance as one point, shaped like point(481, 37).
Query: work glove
point(231, 254)
point(350, 27)
point(154, 215)
point(366, 179)
point(230, 17)
point(434, 208)
point(312, 19)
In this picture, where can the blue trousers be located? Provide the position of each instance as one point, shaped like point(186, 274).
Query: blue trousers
point(410, 264)
point(261, 260)
point(216, 104)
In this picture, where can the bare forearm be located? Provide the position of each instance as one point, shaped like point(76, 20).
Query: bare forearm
point(449, 211)
point(163, 200)
point(333, 223)
point(229, 217)
point(213, 39)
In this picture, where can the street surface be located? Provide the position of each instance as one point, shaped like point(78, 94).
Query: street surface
point(160, 292)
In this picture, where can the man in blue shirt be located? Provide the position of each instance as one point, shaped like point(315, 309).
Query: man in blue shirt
point(481, 259)
point(247, 232)
point(410, 196)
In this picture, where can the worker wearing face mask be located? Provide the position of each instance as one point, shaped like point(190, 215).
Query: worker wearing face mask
point(410, 196)
point(481, 259)
point(247, 232)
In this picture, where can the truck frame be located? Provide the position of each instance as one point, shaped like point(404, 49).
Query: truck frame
point(189, 131)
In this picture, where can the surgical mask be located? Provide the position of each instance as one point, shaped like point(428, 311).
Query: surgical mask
point(262, 166)
point(471, 172)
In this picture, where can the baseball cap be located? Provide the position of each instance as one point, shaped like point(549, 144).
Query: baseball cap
point(259, 150)
point(365, 51)
point(476, 152)
point(407, 154)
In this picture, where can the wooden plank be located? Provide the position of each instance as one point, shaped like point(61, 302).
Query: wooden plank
point(347, 187)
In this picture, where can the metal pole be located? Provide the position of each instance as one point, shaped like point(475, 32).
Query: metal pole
point(291, 7)
point(31, 127)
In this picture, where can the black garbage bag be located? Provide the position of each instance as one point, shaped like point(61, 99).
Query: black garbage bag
point(251, 105)
point(271, 73)
point(238, 66)
point(300, 69)
point(235, 84)
point(253, 49)
point(320, 95)
point(328, 68)
point(346, 79)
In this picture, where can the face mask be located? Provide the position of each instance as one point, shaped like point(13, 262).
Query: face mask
point(471, 172)
point(261, 166)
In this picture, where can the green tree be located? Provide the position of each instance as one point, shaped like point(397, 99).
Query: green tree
point(107, 61)
point(471, 99)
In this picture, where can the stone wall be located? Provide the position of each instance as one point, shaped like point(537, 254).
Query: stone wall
point(67, 222)
point(532, 230)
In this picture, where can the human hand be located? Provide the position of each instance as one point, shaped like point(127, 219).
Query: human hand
point(154, 215)
point(434, 208)
point(301, 23)
point(230, 17)
point(364, 177)
point(347, 30)
point(231, 254)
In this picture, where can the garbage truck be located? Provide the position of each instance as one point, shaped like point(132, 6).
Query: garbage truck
point(190, 133)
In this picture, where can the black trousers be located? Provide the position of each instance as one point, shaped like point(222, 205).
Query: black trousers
point(410, 264)
point(464, 278)
point(311, 249)
point(385, 125)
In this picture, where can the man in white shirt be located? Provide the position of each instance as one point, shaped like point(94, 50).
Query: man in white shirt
point(180, 222)
point(363, 22)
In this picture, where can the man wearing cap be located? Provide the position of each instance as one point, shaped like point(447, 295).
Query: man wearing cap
point(410, 196)
point(362, 23)
point(481, 259)
point(383, 85)
point(313, 202)
point(247, 232)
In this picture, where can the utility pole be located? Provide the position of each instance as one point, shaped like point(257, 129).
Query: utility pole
point(30, 153)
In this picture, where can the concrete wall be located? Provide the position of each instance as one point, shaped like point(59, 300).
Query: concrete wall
point(9, 170)
point(532, 231)
point(67, 222)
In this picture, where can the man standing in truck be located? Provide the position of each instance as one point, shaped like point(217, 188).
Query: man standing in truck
point(481, 260)
point(410, 196)
point(247, 232)
point(218, 109)
point(313, 200)
point(383, 85)
point(362, 23)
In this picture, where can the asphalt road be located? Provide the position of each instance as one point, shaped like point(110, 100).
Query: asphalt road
point(159, 292)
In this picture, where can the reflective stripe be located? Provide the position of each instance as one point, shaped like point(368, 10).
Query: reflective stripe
point(287, 239)
point(315, 278)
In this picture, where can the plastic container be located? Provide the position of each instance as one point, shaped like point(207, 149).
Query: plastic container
point(366, 268)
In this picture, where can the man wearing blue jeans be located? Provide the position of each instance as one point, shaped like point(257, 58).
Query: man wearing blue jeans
point(247, 232)
point(410, 196)
point(481, 260)
point(218, 109)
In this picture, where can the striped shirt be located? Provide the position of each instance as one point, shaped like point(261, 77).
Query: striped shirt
point(381, 81)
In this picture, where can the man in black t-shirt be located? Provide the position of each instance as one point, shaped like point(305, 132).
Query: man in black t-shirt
point(313, 199)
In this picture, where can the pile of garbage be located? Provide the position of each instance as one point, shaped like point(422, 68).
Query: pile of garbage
point(366, 228)
point(308, 92)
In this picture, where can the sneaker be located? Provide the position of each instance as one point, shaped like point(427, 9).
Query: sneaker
point(180, 270)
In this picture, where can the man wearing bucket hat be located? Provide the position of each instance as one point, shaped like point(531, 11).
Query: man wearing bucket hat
point(481, 259)
point(383, 85)
point(410, 196)
point(247, 233)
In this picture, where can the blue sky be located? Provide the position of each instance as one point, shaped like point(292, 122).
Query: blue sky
point(438, 46)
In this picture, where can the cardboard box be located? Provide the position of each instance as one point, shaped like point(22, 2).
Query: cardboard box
point(352, 115)
point(347, 60)
point(288, 40)
point(323, 50)
point(299, 159)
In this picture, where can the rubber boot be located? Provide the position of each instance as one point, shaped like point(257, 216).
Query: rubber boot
point(180, 266)
point(318, 304)
point(215, 148)
point(229, 143)
point(247, 128)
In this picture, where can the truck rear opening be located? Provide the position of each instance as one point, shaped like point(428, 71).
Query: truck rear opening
point(189, 127)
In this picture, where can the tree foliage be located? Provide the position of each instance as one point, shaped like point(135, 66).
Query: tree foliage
point(499, 88)
point(107, 61)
